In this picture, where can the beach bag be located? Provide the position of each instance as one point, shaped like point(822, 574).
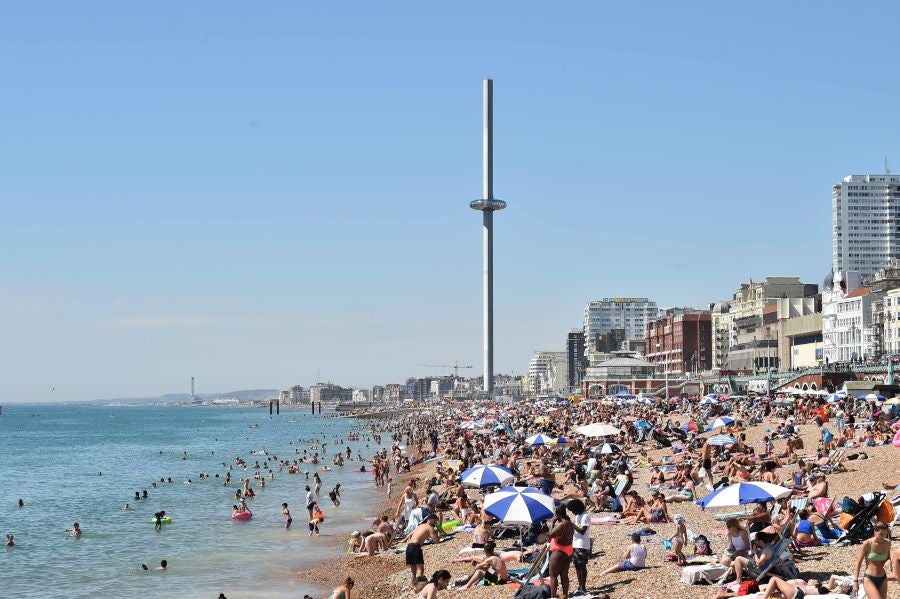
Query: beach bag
point(886, 512)
point(786, 569)
point(849, 506)
point(702, 546)
point(748, 587)
point(844, 521)
point(827, 437)
point(529, 591)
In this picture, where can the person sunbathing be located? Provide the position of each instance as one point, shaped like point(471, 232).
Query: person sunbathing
point(818, 487)
point(797, 589)
point(491, 569)
point(686, 492)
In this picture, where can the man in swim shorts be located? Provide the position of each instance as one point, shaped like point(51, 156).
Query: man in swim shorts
point(415, 559)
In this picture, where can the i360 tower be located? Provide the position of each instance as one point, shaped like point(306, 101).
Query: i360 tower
point(488, 204)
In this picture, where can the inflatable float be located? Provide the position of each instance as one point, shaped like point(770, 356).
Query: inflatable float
point(896, 427)
point(242, 516)
point(450, 525)
point(164, 520)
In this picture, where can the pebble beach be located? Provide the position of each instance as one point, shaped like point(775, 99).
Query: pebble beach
point(385, 575)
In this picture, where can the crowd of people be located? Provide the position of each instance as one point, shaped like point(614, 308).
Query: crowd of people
point(612, 479)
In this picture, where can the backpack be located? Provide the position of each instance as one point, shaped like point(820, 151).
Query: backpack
point(702, 545)
point(530, 591)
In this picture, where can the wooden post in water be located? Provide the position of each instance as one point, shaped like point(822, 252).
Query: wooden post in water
point(270, 408)
point(278, 406)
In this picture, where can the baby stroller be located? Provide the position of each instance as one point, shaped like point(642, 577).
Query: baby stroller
point(860, 526)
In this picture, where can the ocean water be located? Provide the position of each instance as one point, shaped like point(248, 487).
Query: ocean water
point(51, 457)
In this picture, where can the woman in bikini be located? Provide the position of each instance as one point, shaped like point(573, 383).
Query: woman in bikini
point(343, 591)
point(875, 552)
point(562, 532)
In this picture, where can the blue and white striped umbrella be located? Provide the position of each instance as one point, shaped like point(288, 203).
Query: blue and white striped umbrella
point(719, 423)
point(647, 401)
point(491, 475)
point(540, 439)
point(721, 440)
point(708, 401)
point(518, 505)
point(742, 494)
point(711, 396)
point(872, 397)
point(834, 398)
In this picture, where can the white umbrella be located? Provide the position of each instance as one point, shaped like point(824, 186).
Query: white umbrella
point(608, 448)
point(742, 494)
point(597, 429)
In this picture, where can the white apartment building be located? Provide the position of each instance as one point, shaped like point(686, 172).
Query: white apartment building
point(890, 325)
point(547, 372)
point(846, 314)
point(865, 221)
point(629, 313)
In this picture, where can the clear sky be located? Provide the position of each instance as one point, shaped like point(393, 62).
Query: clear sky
point(260, 193)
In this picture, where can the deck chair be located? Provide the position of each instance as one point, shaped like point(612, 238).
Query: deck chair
point(779, 548)
point(835, 463)
point(798, 503)
point(540, 565)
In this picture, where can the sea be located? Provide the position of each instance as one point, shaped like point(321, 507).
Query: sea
point(83, 464)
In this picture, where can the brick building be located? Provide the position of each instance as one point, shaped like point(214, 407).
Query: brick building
point(680, 341)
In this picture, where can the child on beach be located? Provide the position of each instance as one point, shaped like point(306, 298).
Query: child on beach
point(679, 540)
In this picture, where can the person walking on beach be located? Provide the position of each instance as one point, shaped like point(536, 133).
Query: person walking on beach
point(415, 559)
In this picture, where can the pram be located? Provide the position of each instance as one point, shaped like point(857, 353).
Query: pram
point(860, 526)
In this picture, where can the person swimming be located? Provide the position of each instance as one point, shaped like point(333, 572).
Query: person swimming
point(75, 531)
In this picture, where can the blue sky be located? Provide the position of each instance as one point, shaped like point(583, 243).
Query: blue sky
point(254, 194)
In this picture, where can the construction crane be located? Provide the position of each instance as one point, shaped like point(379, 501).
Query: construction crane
point(455, 366)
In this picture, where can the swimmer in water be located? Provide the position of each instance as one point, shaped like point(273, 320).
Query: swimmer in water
point(21, 503)
point(125, 507)
point(162, 565)
point(75, 531)
point(9, 540)
point(287, 515)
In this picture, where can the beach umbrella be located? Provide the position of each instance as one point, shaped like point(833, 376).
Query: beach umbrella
point(467, 426)
point(539, 439)
point(597, 429)
point(642, 424)
point(872, 397)
point(742, 494)
point(834, 398)
point(647, 401)
point(708, 401)
point(711, 396)
point(518, 505)
point(894, 401)
point(452, 464)
point(690, 425)
point(721, 440)
point(608, 448)
point(719, 423)
point(561, 441)
point(491, 475)
point(542, 420)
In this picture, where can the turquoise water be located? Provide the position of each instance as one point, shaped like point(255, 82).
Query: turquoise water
point(51, 459)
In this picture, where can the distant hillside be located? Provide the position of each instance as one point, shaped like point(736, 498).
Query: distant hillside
point(245, 395)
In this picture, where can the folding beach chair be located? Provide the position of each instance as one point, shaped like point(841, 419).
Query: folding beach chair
point(835, 463)
point(538, 568)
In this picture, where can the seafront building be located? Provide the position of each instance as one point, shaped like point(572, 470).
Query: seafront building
point(628, 314)
point(865, 219)
point(680, 341)
point(576, 361)
point(547, 373)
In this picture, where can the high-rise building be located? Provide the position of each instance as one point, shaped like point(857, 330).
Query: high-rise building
point(575, 357)
point(547, 372)
point(630, 314)
point(865, 223)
